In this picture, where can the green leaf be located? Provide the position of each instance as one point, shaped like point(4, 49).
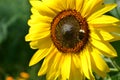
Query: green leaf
point(3, 31)
point(4, 27)
point(116, 77)
point(116, 45)
point(118, 7)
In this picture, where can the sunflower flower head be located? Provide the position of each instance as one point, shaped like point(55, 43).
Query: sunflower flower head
point(71, 36)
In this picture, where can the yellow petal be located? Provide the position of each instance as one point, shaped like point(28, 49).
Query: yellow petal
point(42, 8)
point(104, 19)
point(53, 75)
point(39, 27)
point(112, 29)
point(42, 43)
point(79, 5)
point(83, 4)
point(65, 67)
point(86, 64)
point(98, 64)
point(38, 31)
point(56, 5)
point(54, 71)
point(90, 7)
point(38, 56)
point(107, 49)
point(47, 62)
point(96, 7)
point(71, 4)
point(106, 36)
point(108, 27)
point(94, 33)
point(100, 34)
point(35, 11)
point(100, 12)
point(35, 19)
point(37, 36)
point(36, 28)
point(116, 37)
point(88, 50)
point(76, 73)
point(77, 61)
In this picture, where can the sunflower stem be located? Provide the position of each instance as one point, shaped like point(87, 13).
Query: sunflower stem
point(115, 65)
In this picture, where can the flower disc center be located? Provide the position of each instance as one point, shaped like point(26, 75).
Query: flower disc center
point(69, 32)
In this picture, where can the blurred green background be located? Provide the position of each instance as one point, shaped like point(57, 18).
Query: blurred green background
point(15, 53)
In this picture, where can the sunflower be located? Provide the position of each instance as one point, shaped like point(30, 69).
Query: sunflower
point(72, 36)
